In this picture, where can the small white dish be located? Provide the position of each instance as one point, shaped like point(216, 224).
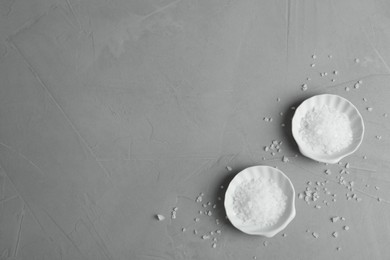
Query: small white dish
point(341, 105)
point(281, 180)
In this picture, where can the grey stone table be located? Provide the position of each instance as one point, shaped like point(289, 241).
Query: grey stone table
point(112, 112)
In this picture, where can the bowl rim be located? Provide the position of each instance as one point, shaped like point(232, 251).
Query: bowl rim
point(333, 158)
point(273, 230)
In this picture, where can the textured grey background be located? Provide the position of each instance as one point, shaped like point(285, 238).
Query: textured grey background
point(114, 111)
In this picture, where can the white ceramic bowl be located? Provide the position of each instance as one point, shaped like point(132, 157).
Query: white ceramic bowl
point(343, 106)
point(281, 180)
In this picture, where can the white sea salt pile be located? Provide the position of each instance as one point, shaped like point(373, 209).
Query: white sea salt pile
point(326, 130)
point(259, 202)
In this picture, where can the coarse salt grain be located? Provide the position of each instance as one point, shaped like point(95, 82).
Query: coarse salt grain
point(259, 202)
point(160, 217)
point(325, 130)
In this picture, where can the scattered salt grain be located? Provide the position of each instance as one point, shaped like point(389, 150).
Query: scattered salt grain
point(335, 219)
point(335, 72)
point(347, 88)
point(356, 86)
point(346, 228)
point(214, 245)
point(160, 217)
point(338, 248)
point(369, 109)
point(205, 237)
point(229, 168)
point(314, 56)
point(199, 198)
point(335, 234)
point(285, 159)
point(183, 230)
point(313, 65)
point(357, 60)
point(315, 235)
point(304, 87)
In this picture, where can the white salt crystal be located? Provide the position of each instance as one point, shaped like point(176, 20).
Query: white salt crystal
point(160, 217)
point(335, 219)
point(205, 237)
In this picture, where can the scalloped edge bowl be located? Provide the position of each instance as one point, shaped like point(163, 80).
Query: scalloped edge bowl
point(340, 104)
point(281, 180)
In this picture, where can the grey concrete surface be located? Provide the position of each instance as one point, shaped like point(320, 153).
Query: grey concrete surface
point(113, 111)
